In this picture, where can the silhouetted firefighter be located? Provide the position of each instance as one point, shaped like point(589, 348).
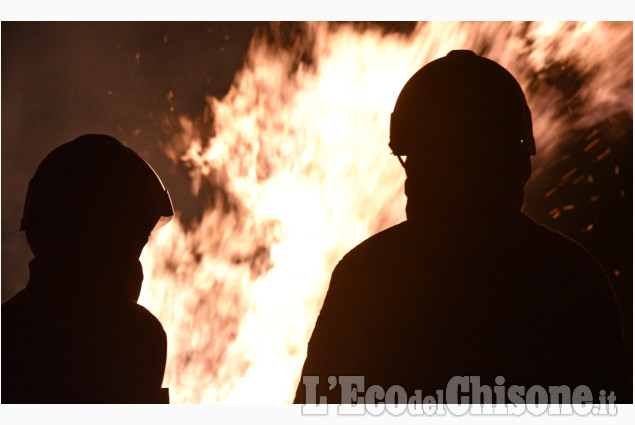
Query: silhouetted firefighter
point(468, 285)
point(76, 334)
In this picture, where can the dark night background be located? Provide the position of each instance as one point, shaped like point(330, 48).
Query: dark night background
point(132, 80)
point(129, 80)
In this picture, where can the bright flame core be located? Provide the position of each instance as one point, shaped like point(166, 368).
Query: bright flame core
point(301, 150)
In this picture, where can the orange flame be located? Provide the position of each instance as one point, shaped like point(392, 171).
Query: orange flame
point(302, 152)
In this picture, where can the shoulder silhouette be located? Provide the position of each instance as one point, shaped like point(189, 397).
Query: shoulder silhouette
point(76, 334)
point(468, 285)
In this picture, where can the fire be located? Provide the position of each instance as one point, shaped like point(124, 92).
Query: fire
point(300, 149)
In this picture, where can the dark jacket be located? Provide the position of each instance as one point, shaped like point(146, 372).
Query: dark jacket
point(71, 340)
point(417, 304)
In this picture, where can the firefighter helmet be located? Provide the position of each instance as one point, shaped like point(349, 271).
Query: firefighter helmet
point(461, 101)
point(94, 180)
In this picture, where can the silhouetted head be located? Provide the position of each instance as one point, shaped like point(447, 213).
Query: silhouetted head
point(464, 126)
point(93, 197)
